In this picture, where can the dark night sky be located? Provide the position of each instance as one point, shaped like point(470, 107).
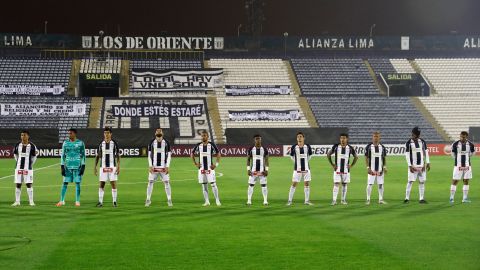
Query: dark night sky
point(221, 17)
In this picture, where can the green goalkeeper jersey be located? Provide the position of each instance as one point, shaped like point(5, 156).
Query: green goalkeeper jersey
point(73, 154)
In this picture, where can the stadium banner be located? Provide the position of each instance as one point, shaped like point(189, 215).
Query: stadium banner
point(6, 151)
point(176, 79)
point(227, 150)
point(89, 152)
point(147, 110)
point(152, 43)
point(392, 149)
point(43, 109)
point(31, 90)
point(335, 43)
point(181, 150)
point(270, 115)
point(246, 90)
point(183, 129)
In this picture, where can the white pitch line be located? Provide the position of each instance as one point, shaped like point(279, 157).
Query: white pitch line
point(41, 168)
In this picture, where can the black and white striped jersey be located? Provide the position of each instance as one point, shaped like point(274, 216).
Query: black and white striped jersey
point(258, 156)
point(25, 155)
point(159, 154)
point(342, 157)
point(416, 152)
point(461, 152)
point(205, 153)
point(108, 152)
point(376, 154)
point(301, 155)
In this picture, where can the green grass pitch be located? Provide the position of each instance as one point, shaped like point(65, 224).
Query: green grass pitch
point(234, 236)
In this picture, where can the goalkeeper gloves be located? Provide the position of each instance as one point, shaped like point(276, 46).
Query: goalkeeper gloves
point(82, 170)
point(63, 170)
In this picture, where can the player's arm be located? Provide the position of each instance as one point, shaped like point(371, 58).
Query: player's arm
point(62, 159)
point(407, 156)
point(193, 156)
point(117, 155)
point(33, 153)
point(149, 157)
point(267, 163)
point(169, 156)
point(367, 158)
point(292, 152)
point(15, 152)
point(453, 153)
point(384, 160)
point(249, 159)
point(427, 156)
point(329, 157)
point(472, 150)
point(355, 157)
point(217, 156)
point(82, 159)
point(97, 158)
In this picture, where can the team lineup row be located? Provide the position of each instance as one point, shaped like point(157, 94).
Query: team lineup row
point(203, 154)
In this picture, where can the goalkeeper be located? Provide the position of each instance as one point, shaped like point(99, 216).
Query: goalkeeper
point(72, 165)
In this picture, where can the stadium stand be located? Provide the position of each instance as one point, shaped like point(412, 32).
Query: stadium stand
point(63, 123)
point(91, 65)
point(38, 72)
point(394, 117)
point(455, 104)
point(248, 72)
point(342, 93)
point(333, 77)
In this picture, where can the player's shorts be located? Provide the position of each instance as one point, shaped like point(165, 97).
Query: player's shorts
point(206, 176)
point(25, 176)
point(299, 175)
point(417, 174)
point(339, 177)
point(376, 177)
point(158, 173)
point(72, 175)
point(108, 174)
point(460, 173)
point(257, 176)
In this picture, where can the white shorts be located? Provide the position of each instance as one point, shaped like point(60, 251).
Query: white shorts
point(299, 175)
point(158, 173)
point(460, 173)
point(418, 174)
point(25, 176)
point(108, 174)
point(341, 177)
point(257, 176)
point(206, 176)
point(375, 178)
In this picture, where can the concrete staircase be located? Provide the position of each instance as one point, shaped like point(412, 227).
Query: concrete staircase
point(216, 121)
point(73, 82)
point(96, 106)
point(302, 101)
point(125, 78)
point(380, 86)
point(430, 118)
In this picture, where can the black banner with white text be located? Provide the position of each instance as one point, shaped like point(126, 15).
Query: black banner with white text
point(270, 115)
point(176, 79)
